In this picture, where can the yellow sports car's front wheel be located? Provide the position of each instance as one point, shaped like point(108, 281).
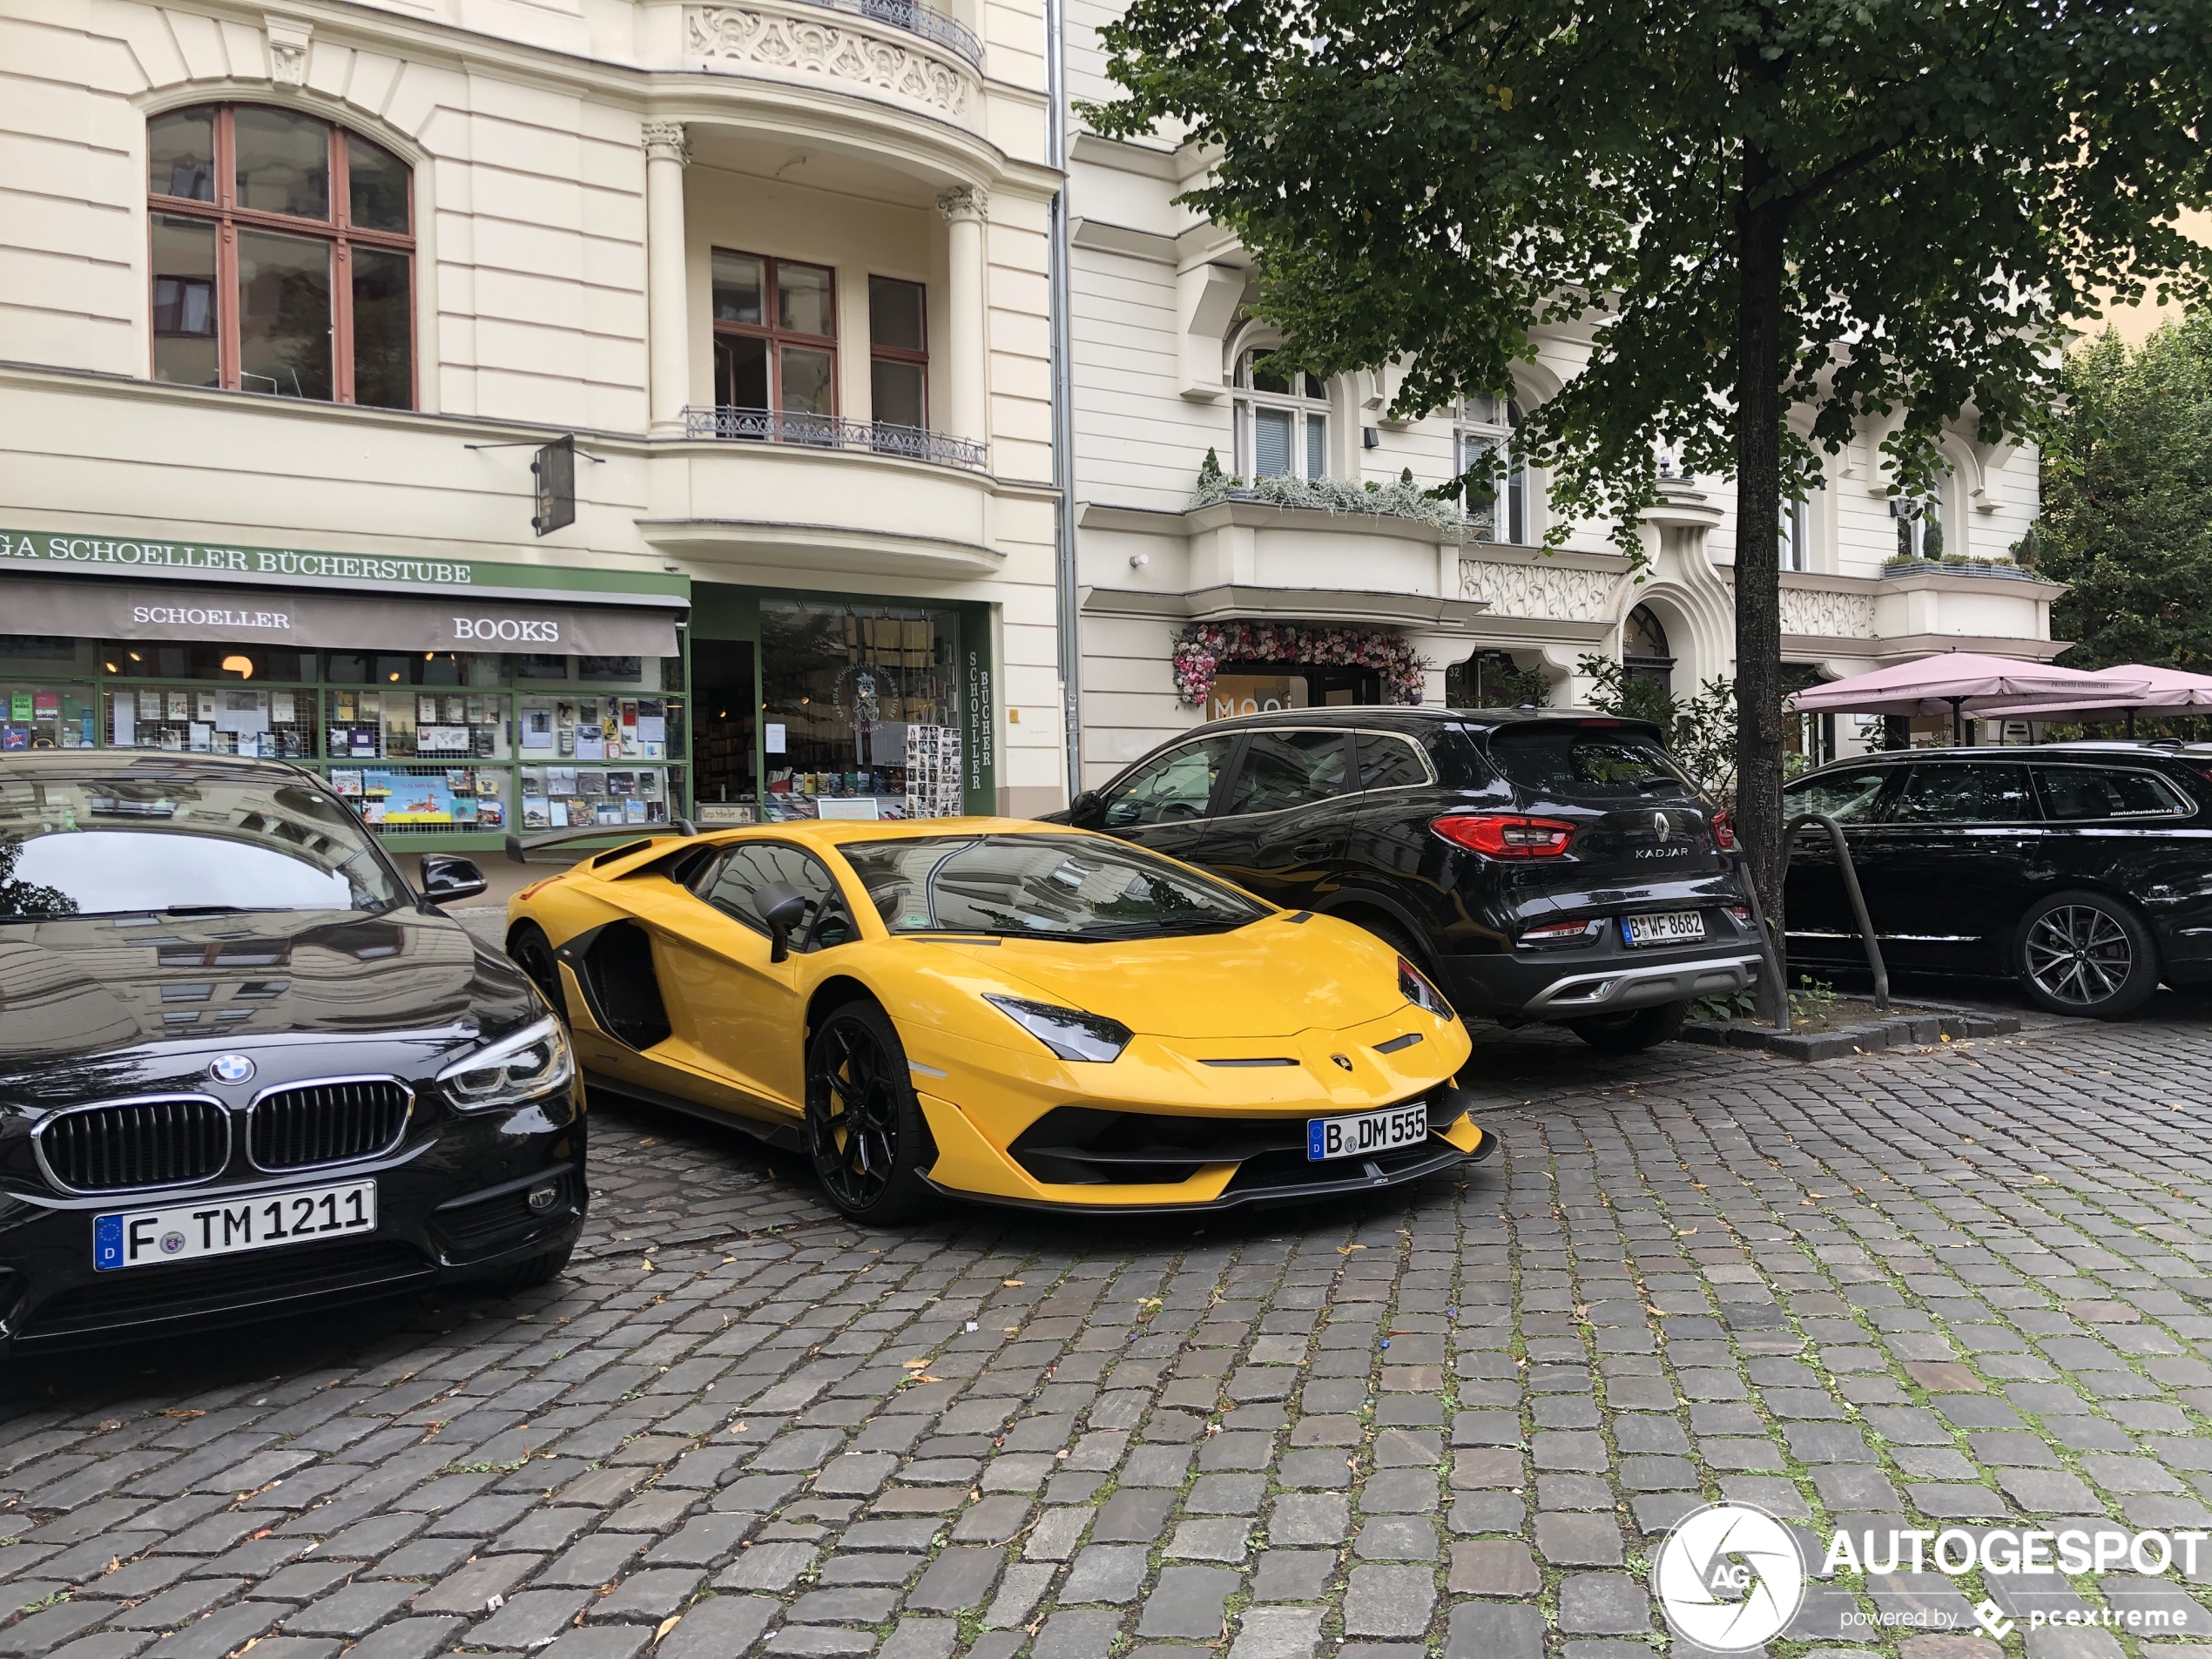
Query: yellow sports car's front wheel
point(864, 1127)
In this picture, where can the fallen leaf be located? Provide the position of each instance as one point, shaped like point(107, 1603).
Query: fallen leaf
point(111, 1425)
point(915, 1365)
point(929, 1380)
point(1011, 1284)
point(648, 1265)
point(666, 1625)
point(181, 1411)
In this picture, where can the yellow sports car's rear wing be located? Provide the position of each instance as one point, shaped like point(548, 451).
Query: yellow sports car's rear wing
point(519, 848)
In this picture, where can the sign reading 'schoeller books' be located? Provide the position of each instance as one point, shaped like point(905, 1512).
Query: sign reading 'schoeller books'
point(331, 621)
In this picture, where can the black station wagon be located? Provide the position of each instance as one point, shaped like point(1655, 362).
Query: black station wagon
point(2083, 871)
point(1538, 866)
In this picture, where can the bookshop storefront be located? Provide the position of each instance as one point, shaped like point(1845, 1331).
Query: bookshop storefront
point(449, 702)
point(840, 706)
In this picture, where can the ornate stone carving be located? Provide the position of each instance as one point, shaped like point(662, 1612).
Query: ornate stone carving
point(1554, 593)
point(965, 202)
point(734, 34)
point(289, 51)
point(665, 141)
point(1831, 615)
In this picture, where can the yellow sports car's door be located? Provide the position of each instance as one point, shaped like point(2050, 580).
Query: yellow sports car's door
point(738, 1017)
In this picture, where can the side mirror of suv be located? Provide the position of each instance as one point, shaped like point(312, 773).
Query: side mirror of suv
point(445, 878)
point(1082, 812)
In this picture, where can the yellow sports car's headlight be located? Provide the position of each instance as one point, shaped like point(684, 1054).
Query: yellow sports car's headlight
point(1413, 985)
point(534, 1061)
point(1069, 1033)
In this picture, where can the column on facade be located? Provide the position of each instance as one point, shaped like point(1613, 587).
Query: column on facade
point(967, 412)
point(667, 284)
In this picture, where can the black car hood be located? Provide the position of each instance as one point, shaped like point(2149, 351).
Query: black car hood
point(95, 1004)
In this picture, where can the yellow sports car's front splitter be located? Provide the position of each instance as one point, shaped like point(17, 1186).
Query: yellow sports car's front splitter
point(1272, 1168)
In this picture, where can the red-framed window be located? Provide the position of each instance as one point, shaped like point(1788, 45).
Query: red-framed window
point(775, 333)
point(283, 256)
point(899, 352)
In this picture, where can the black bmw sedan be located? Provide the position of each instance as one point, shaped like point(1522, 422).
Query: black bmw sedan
point(2084, 872)
point(244, 1069)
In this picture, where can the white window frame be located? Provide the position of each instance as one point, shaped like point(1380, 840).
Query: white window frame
point(1796, 548)
point(1310, 415)
point(1480, 425)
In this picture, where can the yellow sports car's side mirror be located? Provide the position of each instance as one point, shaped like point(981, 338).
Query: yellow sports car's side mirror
point(783, 907)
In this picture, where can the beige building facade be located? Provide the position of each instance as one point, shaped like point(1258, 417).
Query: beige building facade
point(301, 307)
point(1169, 365)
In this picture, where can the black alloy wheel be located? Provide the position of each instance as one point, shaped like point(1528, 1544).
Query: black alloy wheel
point(1634, 1031)
point(864, 1129)
point(2084, 953)
point(532, 952)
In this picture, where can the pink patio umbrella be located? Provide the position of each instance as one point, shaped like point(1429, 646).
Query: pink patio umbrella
point(1949, 681)
point(2163, 688)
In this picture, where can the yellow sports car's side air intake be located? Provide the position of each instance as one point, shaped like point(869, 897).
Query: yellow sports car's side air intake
point(1007, 1011)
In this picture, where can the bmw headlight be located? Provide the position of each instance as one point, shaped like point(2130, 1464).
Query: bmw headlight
point(534, 1061)
point(1413, 986)
point(1069, 1033)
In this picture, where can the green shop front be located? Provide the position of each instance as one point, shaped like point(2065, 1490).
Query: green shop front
point(450, 702)
point(811, 704)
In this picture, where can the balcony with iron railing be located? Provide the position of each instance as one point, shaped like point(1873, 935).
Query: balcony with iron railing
point(833, 432)
point(915, 18)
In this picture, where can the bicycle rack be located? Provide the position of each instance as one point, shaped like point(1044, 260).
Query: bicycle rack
point(1857, 900)
point(1767, 949)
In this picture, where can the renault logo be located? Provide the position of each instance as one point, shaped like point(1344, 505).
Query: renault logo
point(230, 1069)
point(1342, 1062)
point(1661, 826)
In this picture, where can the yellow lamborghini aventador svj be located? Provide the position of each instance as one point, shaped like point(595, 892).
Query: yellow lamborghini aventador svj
point(1007, 1011)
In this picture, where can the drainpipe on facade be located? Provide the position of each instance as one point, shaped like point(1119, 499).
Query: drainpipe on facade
point(1063, 415)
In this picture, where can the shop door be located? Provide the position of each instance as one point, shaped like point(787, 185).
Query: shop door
point(727, 709)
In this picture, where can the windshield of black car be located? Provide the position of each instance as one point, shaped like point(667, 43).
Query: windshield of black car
point(117, 845)
point(1566, 762)
point(1069, 887)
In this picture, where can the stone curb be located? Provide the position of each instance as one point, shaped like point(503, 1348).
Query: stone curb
point(1923, 1023)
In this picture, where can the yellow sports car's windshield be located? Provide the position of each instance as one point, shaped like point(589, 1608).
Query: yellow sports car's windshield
point(1061, 886)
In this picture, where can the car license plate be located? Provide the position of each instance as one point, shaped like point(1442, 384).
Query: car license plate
point(1664, 928)
point(216, 1226)
point(1348, 1137)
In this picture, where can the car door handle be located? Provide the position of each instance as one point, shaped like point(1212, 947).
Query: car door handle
point(1306, 851)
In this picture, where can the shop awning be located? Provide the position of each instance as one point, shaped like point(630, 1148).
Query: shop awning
point(101, 610)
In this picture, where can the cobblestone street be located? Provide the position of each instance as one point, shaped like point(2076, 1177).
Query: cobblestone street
point(1959, 1285)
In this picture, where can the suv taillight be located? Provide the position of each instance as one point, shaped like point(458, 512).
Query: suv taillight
point(1724, 830)
point(1505, 835)
point(1559, 933)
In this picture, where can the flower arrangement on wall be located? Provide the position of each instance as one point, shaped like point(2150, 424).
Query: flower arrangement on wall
point(1202, 648)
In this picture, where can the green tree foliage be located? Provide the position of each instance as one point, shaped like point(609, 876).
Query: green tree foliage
point(1701, 729)
point(1868, 215)
point(2127, 503)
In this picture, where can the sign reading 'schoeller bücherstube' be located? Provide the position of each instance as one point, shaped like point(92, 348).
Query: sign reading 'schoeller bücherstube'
point(262, 564)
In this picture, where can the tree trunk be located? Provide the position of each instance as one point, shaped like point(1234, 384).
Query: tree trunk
point(1758, 527)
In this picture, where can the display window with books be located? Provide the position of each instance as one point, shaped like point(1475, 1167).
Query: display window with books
point(860, 710)
point(424, 745)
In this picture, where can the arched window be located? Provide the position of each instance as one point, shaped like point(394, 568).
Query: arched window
point(1484, 426)
point(283, 256)
point(1282, 420)
point(1644, 655)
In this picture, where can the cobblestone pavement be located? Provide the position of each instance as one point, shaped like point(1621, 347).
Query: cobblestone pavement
point(1964, 1284)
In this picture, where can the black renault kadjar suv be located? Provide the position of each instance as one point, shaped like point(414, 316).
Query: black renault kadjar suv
point(1539, 867)
point(244, 1068)
point(2082, 871)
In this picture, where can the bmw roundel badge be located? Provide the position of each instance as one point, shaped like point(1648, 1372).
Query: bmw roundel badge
point(230, 1069)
